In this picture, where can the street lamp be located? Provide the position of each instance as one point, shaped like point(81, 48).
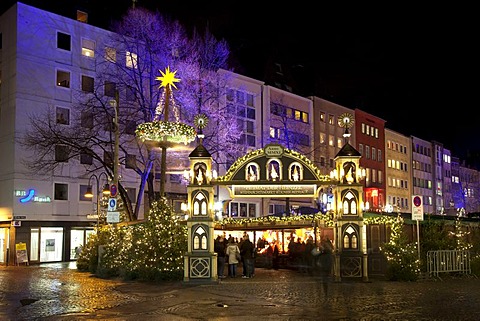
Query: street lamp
point(105, 191)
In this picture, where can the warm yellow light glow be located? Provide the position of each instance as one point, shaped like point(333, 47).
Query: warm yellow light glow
point(167, 78)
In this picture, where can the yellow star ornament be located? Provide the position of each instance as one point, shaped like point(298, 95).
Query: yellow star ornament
point(167, 78)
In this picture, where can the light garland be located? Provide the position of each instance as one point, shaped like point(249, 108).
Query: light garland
point(164, 131)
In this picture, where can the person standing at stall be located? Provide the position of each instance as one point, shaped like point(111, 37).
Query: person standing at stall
point(231, 253)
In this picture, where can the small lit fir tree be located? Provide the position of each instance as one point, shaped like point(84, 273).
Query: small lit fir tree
point(402, 258)
point(460, 236)
point(152, 250)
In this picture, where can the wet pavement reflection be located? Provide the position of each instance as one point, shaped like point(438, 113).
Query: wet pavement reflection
point(59, 292)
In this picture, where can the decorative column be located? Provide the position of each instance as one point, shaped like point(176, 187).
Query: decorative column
point(350, 231)
point(200, 261)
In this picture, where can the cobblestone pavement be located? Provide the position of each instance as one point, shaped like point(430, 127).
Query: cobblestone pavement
point(59, 292)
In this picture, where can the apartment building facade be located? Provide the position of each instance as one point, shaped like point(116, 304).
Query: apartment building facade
point(398, 170)
point(48, 63)
point(370, 140)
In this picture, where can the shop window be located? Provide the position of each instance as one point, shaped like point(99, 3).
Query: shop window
point(61, 192)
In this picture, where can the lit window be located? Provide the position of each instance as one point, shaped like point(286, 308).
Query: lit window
point(88, 48)
point(131, 60)
point(63, 79)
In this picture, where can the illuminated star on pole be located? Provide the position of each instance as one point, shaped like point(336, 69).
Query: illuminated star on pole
point(167, 78)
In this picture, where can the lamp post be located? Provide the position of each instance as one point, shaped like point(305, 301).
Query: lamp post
point(105, 191)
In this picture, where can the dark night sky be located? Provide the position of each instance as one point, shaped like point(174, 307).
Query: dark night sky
point(413, 66)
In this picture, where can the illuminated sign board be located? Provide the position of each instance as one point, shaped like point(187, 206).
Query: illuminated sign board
point(305, 190)
point(273, 150)
point(29, 196)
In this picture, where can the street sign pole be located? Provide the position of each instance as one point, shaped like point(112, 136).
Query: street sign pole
point(417, 214)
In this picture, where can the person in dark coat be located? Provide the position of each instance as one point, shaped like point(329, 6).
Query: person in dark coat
point(247, 250)
point(219, 248)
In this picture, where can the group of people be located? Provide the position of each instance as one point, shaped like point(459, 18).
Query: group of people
point(307, 256)
point(231, 252)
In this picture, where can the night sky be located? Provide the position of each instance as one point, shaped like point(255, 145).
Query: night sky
point(413, 66)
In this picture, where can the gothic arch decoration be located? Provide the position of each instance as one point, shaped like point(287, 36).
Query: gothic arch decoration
point(350, 202)
point(252, 172)
point(239, 169)
point(274, 170)
point(295, 172)
point(350, 237)
point(199, 173)
point(200, 237)
point(200, 203)
point(350, 170)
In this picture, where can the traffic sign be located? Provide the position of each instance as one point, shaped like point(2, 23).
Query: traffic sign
point(417, 208)
point(113, 217)
point(113, 190)
point(112, 204)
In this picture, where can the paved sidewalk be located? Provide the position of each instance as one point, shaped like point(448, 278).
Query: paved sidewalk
point(60, 292)
point(290, 295)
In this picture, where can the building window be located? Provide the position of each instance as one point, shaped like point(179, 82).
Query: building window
point(131, 60)
point(132, 194)
point(249, 100)
point(110, 88)
point(108, 158)
point(63, 41)
point(130, 127)
point(86, 159)
point(61, 192)
point(331, 119)
point(88, 48)
point(110, 54)
point(87, 84)
point(130, 93)
point(83, 190)
point(82, 16)
point(130, 161)
point(61, 153)
point(63, 78)
point(86, 119)
point(322, 117)
point(63, 116)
